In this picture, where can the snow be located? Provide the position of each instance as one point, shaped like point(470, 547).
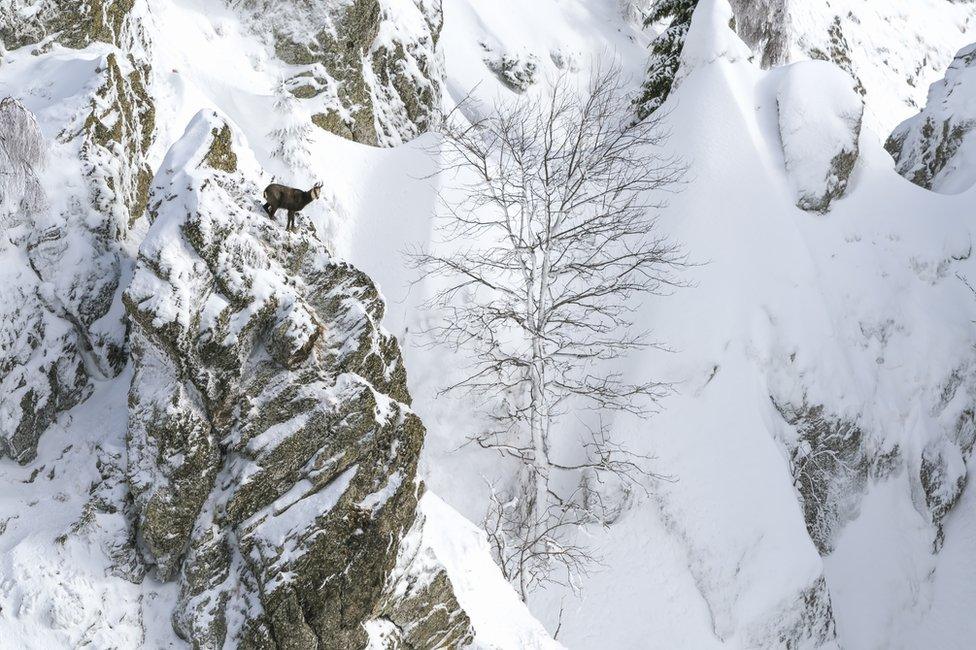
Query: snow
point(499, 618)
point(820, 116)
point(59, 591)
point(719, 557)
point(894, 48)
point(860, 310)
point(291, 512)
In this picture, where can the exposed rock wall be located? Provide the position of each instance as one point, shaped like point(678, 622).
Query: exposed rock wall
point(764, 26)
point(272, 453)
point(368, 70)
point(936, 148)
point(830, 466)
point(72, 23)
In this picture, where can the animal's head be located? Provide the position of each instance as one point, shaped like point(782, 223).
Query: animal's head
point(316, 190)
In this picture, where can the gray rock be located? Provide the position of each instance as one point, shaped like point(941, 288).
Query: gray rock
point(830, 469)
point(361, 75)
point(931, 148)
point(272, 452)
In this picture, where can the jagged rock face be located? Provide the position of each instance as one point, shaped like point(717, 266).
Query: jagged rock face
point(763, 24)
point(820, 115)
point(943, 471)
point(418, 608)
point(72, 23)
point(937, 147)
point(272, 454)
point(830, 467)
point(41, 369)
point(833, 461)
point(368, 69)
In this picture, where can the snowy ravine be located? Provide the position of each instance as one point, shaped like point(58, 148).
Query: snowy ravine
point(211, 428)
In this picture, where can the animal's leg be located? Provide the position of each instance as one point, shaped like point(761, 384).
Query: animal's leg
point(291, 220)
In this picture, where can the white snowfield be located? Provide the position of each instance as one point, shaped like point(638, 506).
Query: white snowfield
point(863, 310)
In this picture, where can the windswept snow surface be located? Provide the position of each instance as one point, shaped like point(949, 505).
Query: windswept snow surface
point(860, 310)
point(863, 310)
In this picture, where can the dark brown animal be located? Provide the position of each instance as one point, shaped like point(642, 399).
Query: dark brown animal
point(291, 199)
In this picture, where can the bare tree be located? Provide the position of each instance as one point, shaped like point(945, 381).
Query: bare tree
point(22, 154)
point(550, 237)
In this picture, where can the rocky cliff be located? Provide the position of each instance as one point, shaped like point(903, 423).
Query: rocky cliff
point(212, 429)
point(368, 70)
point(937, 148)
point(272, 452)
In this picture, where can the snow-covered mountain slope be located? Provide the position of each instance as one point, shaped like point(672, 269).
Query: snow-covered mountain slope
point(822, 425)
point(817, 444)
point(891, 49)
point(937, 148)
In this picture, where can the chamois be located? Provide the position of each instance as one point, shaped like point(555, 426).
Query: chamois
point(289, 198)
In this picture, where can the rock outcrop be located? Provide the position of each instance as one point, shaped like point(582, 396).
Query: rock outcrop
point(272, 452)
point(820, 114)
point(830, 466)
point(368, 70)
point(72, 23)
point(936, 149)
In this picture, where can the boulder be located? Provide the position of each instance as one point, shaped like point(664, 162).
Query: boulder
point(819, 113)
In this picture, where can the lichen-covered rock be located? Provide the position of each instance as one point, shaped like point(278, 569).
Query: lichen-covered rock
point(820, 114)
point(518, 71)
point(368, 70)
point(937, 148)
point(418, 608)
point(830, 467)
point(272, 453)
point(72, 23)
